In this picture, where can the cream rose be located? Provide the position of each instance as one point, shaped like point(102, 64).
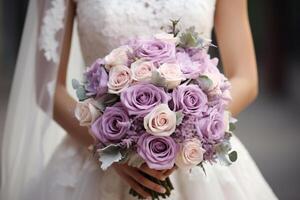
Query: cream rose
point(161, 121)
point(172, 74)
point(142, 70)
point(166, 37)
point(215, 80)
point(118, 56)
point(119, 79)
point(86, 113)
point(190, 154)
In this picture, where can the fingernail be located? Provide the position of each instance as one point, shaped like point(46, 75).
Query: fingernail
point(163, 190)
point(149, 198)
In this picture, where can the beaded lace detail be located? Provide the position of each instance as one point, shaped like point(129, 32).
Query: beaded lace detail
point(52, 22)
point(105, 24)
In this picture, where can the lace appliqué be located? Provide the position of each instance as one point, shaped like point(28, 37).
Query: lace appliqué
point(53, 21)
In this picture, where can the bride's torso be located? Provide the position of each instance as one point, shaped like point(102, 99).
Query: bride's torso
point(105, 24)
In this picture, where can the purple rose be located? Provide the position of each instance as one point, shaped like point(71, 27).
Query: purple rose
point(112, 126)
point(212, 127)
point(158, 152)
point(190, 99)
point(97, 79)
point(141, 98)
point(189, 68)
point(155, 50)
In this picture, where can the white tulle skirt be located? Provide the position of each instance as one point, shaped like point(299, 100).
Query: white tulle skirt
point(72, 175)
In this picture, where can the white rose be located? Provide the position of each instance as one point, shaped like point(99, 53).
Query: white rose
point(142, 70)
point(119, 79)
point(118, 56)
point(166, 37)
point(86, 113)
point(190, 154)
point(161, 121)
point(172, 74)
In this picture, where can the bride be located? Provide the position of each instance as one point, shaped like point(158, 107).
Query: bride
point(39, 162)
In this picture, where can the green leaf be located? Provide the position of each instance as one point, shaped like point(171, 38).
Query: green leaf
point(75, 84)
point(109, 155)
point(222, 150)
point(179, 117)
point(81, 94)
point(106, 100)
point(205, 82)
point(233, 156)
point(232, 127)
point(189, 38)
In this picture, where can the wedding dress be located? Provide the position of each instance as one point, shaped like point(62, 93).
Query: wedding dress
point(70, 174)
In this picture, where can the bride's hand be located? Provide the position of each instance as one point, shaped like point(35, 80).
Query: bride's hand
point(135, 179)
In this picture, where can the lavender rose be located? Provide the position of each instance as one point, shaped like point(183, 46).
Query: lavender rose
point(190, 99)
point(155, 50)
point(97, 79)
point(141, 98)
point(189, 68)
point(158, 152)
point(112, 126)
point(212, 127)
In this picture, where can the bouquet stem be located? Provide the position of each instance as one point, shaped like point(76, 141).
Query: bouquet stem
point(155, 195)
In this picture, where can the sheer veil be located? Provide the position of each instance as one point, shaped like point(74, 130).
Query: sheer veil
point(28, 141)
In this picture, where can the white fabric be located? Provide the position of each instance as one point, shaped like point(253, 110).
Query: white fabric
point(71, 174)
point(30, 135)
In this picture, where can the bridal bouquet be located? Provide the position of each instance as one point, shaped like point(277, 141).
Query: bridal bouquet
point(159, 100)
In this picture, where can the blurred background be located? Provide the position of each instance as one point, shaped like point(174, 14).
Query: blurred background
point(269, 128)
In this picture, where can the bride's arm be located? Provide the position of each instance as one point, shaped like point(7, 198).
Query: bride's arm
point(64, 104)
point(237, 51)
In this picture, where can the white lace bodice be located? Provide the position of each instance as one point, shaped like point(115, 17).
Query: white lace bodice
point(105, 24)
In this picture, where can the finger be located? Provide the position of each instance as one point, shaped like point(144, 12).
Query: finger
point(136, 187)
point(135, 174)
point(152, 172)
point(169, 172)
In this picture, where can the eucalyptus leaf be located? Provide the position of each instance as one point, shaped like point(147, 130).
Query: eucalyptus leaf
point(81, 94)
point(233, 156)
point(189, 38)
point(109, 155)
point(106, 100)
point(179, 117)
point(75, 84)
point(204, 82)
point(232, 127)
point(223, 148)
